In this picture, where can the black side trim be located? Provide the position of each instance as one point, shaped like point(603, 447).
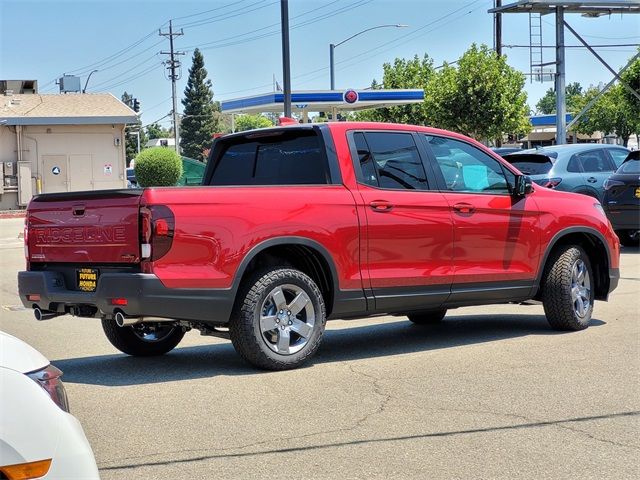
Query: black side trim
point(486, 293)
point(406, 299)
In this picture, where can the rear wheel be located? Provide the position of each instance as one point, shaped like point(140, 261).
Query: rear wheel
point(279, 319)
point(567, 291)
point(143, 340)
point(629, 238)
point(428, 318)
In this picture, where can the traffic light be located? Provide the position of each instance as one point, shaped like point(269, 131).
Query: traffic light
point(136, 105)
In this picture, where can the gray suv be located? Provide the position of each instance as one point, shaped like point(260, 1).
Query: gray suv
point(580, 168)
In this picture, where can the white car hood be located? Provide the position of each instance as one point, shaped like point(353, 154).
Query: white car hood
point(17, 355)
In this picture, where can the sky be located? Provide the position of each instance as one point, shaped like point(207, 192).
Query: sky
point(241, 43)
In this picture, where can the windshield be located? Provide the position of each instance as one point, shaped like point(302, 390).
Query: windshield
point(630, 166)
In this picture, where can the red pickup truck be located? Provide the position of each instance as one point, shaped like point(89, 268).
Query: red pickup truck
point(299, 224)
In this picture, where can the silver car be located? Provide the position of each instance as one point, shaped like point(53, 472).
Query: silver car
point(580, 168)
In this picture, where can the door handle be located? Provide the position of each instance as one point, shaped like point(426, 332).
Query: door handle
point(464, 208)
point(592, 179)
point(381, 206)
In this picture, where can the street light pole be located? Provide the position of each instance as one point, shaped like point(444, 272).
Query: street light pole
point(332, 47)
point(84, 90)
point(286, 65)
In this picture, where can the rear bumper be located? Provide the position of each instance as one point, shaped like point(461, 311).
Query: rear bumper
point(624, 217)
point(145, 294)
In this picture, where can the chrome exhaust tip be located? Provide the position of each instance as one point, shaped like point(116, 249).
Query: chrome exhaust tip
point(124, 321)
point(44, 314)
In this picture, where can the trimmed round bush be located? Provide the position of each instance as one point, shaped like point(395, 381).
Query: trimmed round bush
point(158, 167)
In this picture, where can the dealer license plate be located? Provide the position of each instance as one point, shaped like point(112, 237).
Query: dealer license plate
point(87, 279)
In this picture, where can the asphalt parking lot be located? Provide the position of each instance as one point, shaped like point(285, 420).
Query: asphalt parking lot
point(492, 392)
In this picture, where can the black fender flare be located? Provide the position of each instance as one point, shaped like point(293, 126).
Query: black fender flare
point(559, 235)
point(291, 240)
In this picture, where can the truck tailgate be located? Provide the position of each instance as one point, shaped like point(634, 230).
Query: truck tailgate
point(84, 227)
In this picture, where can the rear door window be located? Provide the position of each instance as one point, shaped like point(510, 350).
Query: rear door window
point(595, 161)
point(390, 160)
point(285, 158)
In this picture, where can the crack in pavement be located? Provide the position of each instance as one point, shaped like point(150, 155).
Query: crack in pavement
point(321, 446)
point(377, 389)
point(536, 420)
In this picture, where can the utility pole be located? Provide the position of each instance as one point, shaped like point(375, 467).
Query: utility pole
point(172, 65)
point(498, 29)
point(286, 65)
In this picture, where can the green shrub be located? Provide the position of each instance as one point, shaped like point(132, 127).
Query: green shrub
point(158, 167)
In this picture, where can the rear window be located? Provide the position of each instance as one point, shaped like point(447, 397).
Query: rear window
point(630, 166)
point(530, 164)
point(283, 158)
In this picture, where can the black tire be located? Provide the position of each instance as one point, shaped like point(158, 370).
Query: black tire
point(563, 310)
point(280, 348)
point(428, 318)
point(627, 238)
point(131, 340)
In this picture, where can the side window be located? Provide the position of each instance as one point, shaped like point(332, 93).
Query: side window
point(366, 160)
point(574, 165)
point(396, 161)
point(618, 155)
point(291, 158)
point(595, 161)
point(468, 169)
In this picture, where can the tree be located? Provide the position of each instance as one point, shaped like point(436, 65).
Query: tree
point(155, 130)
point(200, 119)
point(482, 98)
point(250, 122)
point(130, 132)
point(631, 77)
point(610, 114)
point(573, 94)
point(414, 73)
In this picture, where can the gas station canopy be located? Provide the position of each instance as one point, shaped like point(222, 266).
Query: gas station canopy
point(323, 101)
point(587, 7)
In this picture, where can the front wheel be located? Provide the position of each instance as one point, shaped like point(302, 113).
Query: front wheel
point(278, 320)
point(567, 290)
point(143, 340)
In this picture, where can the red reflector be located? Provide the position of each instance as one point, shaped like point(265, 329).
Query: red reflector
point(119, 301)
point(33, 297)
point(162, 227)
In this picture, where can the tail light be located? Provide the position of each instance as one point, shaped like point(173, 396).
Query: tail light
point(157, 225)
point(49, 379)
point(26, 239)
point(609, 184)
point(549, 182)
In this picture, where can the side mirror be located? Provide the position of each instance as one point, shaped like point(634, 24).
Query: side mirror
point(523, 186)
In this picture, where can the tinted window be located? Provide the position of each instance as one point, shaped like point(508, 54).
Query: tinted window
point(574, 165)
point(466, 168)
point(618, 155)
point(291, 158)
point(366, 160)
point(595, 161)
point(630, 166)
point(396, 161)
point(530, 164)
